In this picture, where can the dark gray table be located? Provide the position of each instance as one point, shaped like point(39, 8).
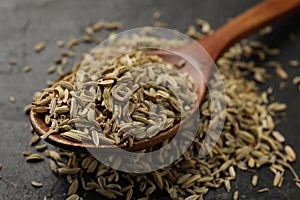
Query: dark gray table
point(24, 22)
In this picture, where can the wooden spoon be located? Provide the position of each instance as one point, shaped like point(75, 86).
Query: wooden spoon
point(215, 44)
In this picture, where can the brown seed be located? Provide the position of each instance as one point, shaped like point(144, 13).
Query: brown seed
point(34, 158)
point(282, 74)
point(41, 147)
point(66, 53)
point(35, 139)
point(53, 166)
point(27, 68)
point(296, 80)
point(156, 15)
point(53, 154)
point(26, 153)
point(12, 62)
point(106, 193)
point(68, 171)
point(39, 46)
point(51, 69)
point(294, 63)
point(27, 108)
point(73, 187)
point(60, 43)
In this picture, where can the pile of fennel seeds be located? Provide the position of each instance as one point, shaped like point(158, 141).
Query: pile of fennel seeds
point(133, 98)
point(249, 140)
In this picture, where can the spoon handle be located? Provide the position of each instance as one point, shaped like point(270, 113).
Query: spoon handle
point(247, 23)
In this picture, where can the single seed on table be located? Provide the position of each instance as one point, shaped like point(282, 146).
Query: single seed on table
point(60, 43)
point(1, 166)
point(294, 63)
point(39, 46)
point(27, 68)
point(12, 62)
point(254, 180)
point(66, 53)
point(34, 158)
point(296, 80)
point(263, 190)
point(36, 184)
point(35, 139)
point(156, 15)
point(26, 153)
point(277, 107)
point(12, 99)
point(41, 147)
point(51, 69)
point(282, 85)
point(236, 195)
point(282, 74)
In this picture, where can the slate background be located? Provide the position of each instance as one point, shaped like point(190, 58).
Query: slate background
point(23, 22)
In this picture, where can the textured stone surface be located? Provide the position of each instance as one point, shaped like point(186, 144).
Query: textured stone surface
point(25, 22)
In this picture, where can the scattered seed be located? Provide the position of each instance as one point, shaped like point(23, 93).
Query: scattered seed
point(26, 153)
point(12, 99)
point(290, 153)
point(39, 46)
point(27, 68)
point(35, 139)
point(156, 15)
point(263, 190)
point(51, 69)
point(34, 158)
point(294, 63)
point(236, 195)
point(296, 80)
point(41, 147)
point(12, 62)
point(254, 180)
point(282, 74)
point(36, 184)
point(60, 43)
